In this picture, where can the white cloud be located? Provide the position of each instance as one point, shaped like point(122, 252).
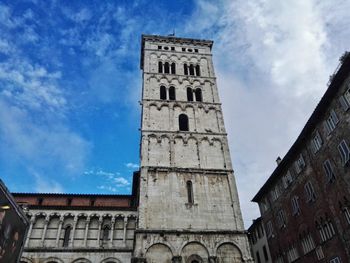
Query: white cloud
point(132, 165)
point(272, 59)
point(46, 185)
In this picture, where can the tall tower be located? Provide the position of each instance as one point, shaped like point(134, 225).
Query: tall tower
point(189, 210)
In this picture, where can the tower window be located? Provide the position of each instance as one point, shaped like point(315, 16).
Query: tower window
point(159, 47)
point(172, 95)
point(105, 233)
point(198, 94)
point(198, 70)
point(189, 192)
point(66, 236)
point(189, 94)
point(166, 67)
point(173, 67)
point(185, 69)
point(183, 49)
point(172, 48)
point(196, 50)
point(191, 70)
point(183, 122)
point(162, 93)
point(160, 67)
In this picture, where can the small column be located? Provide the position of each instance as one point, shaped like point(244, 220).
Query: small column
point(213, 259)
point(176, 259)
point(87, 223)
point(71, 240)
point(100, 220)
point(112, 232)
point(125, 225)
point(32, 221)
point(138, 260)
point(47, 219)
point(59, 230)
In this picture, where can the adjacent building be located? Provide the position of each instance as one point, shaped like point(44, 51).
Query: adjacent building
point(184, 207)
point(305, 203)
point(258, 242)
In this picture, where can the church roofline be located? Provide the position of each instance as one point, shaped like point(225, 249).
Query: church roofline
point(335, 84)
point(174, 40)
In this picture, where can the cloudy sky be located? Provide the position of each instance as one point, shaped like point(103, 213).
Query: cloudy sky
point(70, 84)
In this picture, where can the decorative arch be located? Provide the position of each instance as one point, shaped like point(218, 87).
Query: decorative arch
point(228, 252)
point(25, 260)
point(159, 252)
point(202, 253)
point(81, 260)
point(111, 260)
point(53, 260)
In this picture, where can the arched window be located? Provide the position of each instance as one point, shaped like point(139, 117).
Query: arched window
point(172, 95)
point(105, 233)
point(198, 71)
point(191, 70)
point(166, 67)
point(160, 67)
point(189, 193)
point(189, 94)
point(66, 236)
point(198, 94)
point(185, 69)
point(162, 93)
point(173, 68)
point(183, 122)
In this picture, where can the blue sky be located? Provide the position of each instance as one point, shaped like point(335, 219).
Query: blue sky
point(70, 84)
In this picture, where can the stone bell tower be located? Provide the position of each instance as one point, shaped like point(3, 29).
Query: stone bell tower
point(188, 209)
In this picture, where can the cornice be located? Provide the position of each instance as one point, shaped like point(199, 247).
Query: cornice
point(202, 171)
point(189, 133)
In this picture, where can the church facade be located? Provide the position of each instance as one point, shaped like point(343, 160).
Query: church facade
point(184, 206)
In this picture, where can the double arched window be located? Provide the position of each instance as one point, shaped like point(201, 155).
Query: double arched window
point(163, 93)
point(105, 233)
point(189, 188)
point(66, 236)
point(192, 70)
point(166, 67)
point(197, 92)
point(183, 122)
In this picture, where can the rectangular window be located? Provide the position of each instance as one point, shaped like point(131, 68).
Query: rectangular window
point(344, 151)
point(295, 205)
point(292, 254)
point(269, 229)
point(287, 179)
point(327, 166)
point(307, 243)
point(266, 256)
point(310, 193)
point(345, 100)
point(335, 260)
point(172, 48)
point(319, 253)
point(331, 122)
point(264, 205)
point(326, 230)
point(281, 219)
point(316, 143)
point(159, 47)
point(258, 257)
point(347, 214)
point(279, 259)
point(275, 193)
point(299, 164)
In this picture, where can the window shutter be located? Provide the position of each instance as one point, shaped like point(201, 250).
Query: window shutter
point(344, 104)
